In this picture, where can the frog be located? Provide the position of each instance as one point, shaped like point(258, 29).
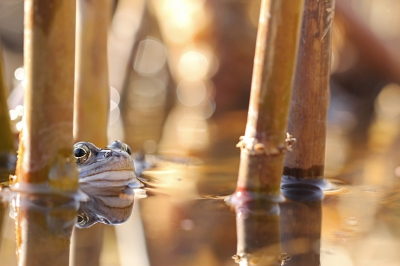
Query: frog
point(107, 175)
point(112, 164)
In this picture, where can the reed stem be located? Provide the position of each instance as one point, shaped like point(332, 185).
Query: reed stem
point(91, 109)
point(7, 148)
point(46, 174)
point(92, 89)
point(49, 49)
point(308, 114)
point(6, 140)
point(263, 146)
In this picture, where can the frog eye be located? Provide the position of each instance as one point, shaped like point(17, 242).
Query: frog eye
point(81, 153)
point(127, 149)
point(83, 219)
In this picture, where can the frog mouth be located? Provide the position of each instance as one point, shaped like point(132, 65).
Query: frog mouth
point(113, 178)
point(112, 172)
point(111, 166)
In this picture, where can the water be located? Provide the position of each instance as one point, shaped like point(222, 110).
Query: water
point(356, 225)
point(182, 219)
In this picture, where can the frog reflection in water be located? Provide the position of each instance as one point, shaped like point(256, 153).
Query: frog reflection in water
point(108, 177)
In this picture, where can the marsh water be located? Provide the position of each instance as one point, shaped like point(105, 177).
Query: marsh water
point(182, 219)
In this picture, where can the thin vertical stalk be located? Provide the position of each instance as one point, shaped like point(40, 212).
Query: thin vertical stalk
point(143, 116)
point(307, 120)
point(263, 146)
point(7, 149)
point(6, 140)
point(92, 87)
point(46, 174)
point(49, 49)
point(121, 47)
point(91, 108)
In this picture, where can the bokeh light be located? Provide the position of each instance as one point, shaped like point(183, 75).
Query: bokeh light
point(387, 103)
point(193, 65)
point(151, 57)
point(191, 93)
point(181, 18)
point(19, 74)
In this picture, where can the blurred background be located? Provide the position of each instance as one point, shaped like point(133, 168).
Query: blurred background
point(180, 74)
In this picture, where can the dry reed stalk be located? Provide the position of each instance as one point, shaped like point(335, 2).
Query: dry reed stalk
point(263, 146)
point(7, 148)
point(307, 120)
point(92, 87)
point(45, 168)
point(49, 49)
point(91, 108)
point(7, 139)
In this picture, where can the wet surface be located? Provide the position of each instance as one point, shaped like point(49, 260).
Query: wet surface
point(308, 228)
point(184, 220)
